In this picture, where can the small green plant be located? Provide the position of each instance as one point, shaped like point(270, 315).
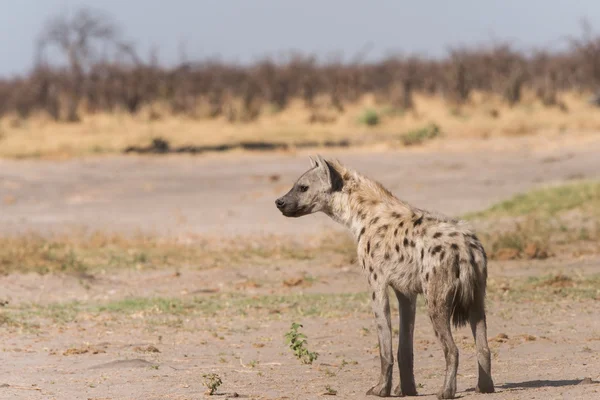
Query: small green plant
point(418, 136)
point(297, 342)
point(369, 117)
point(140, 258)
point(329, 391)
point(212, 382)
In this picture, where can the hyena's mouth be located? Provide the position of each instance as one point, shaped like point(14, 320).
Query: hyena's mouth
point(294, 212)
point(291, 213)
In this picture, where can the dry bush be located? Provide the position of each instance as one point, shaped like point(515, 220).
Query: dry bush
point(209, 89)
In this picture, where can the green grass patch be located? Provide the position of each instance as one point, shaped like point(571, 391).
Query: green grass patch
point(391, 111)
point(549, 201)
point(223, 305)
point(369, 117)
point(562, 218)
point(173, 311)
point(421, 135)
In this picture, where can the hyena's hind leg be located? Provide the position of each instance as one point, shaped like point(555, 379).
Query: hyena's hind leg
point(381, 309)
point(485, 384)
point(405, 360)
point(439, 311)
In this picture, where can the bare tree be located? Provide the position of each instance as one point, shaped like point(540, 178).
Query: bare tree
point(587, 48)
point(80, 39)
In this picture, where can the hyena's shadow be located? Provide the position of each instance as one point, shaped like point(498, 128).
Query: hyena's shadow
point(542, 384)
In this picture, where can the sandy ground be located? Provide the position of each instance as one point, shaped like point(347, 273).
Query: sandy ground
point(551, 344)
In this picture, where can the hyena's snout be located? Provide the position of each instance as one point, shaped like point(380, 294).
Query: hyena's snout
point(288, 206)
point(283, 205)
point(280, 203)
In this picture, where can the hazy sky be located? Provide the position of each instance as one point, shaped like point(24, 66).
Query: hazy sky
point(243, 30)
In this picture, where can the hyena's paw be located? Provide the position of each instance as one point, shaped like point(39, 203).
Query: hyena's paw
point(485, 388)
point(446, 394)
point(380, 390)
point(412, 391)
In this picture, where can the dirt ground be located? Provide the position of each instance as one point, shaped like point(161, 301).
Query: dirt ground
point(234, 193)
point(153, 334)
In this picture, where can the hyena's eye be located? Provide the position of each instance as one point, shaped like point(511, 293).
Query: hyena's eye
point(303, 188)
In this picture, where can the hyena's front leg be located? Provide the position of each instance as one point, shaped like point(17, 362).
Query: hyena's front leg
point(381, 309)
point(405, 360)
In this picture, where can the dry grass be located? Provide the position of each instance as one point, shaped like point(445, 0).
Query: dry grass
point(538, 224)
point(484, 116)
point(549, 288)
point(99, 251)
point(544, 222)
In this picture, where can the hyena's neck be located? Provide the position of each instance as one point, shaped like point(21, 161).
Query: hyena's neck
point(363, 202)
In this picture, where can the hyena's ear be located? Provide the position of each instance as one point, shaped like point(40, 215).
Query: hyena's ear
point(322, 164)
point(332, 175)
point(313, 163)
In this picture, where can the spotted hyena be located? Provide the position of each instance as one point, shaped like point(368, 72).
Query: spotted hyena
point(413, 251)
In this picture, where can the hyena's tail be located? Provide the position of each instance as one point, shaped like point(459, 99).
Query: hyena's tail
point(471, 270)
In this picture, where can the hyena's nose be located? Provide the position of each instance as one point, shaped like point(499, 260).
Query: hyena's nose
point(280, 203)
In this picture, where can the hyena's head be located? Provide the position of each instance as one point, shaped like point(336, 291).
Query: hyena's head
point(313, 191)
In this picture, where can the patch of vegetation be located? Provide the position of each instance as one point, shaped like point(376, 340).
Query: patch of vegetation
point(558, 280)
point(419, 136)
point(565, 218)
point(168, 311)
point(549, 288)
point(84, 254)
point(538, 238)
point(329, 391)
point(391, 111)
point(155, 304)
point(369, 117)
point(529, 239)
point(549, 201)
point(6, 320)
point(297, 343)
point(80, 254)
point(299, 305)
point(212, 382)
